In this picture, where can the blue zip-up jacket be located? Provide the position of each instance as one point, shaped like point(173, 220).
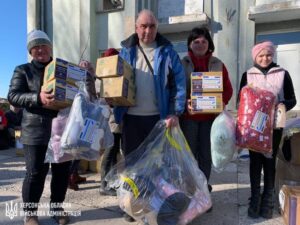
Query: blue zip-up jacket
point(169, 76)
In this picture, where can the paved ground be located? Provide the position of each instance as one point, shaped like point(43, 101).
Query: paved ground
point(230, 197)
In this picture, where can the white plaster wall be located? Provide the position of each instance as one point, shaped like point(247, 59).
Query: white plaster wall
point(226, 38)
point(262, 2)
point(167, 8)
point(66, 29)
point(114, 27)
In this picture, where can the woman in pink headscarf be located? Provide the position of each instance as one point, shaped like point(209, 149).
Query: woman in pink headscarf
point(266, 75)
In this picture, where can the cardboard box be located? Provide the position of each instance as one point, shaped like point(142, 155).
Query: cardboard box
point(289, 199)
point(206, 82)
point(207, 103)
point(61, 69)
point(120, 90)
point(64, 93)
point(112, 66)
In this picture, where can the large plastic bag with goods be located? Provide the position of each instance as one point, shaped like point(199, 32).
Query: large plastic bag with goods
point(161, 183)
point(255, 118)
point(54, 152)
point(87, 130)
point(222, 138)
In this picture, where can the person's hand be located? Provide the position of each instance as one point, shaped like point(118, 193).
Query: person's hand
point(1, 127)
point(87, 65)
point(171, 121)
point(109, 101)
point(46, 97)
point(189, 107)
point(280, 106)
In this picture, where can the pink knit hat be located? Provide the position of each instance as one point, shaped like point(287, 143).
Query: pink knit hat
point(268, 45)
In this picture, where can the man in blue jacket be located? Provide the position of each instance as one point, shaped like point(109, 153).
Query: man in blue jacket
point(160, 82)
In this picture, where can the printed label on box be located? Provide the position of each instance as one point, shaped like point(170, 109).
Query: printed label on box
point(76, 73)
point(120, 66)
point(88, 132)
point(211, 82)
point(71, 91)
point(60, 94)
point(259, 122)
point(125, 88)
point(58, 70)
point(206, 102)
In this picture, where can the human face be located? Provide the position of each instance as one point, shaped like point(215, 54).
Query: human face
point(41, 53)
point(199, 46)
point(264, 58)
point(146, 29)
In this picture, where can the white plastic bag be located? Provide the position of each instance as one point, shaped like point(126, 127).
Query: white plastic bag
point(222, 138)
point(87, 130)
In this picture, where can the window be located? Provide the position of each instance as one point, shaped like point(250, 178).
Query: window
point(110, 5)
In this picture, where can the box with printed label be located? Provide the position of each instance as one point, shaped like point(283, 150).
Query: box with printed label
point(120, 90)
point(207, 103)
point(61, 69)
point(206, 82)
point(289, 200)
point(64, 93)
point(112, 66)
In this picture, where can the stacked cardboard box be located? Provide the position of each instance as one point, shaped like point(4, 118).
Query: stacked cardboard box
point(206, 92)
point(289, 198)
point(60, 76)
point(117, 80)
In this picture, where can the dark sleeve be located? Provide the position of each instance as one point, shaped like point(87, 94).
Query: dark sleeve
point(19, 93)
point(288, 91)
point(227, 93)
point(242, 84)
point(90, 85)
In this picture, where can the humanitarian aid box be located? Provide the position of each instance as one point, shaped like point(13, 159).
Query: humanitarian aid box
point(112, 66)
point(206, 82)
point(207, 103)
point(61, 69)
point(64, 93)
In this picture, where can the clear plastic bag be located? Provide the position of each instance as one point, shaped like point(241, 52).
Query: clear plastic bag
point(161, 183)
point(87, 130)
point(222, 138)
point(254, 128)
point(54, 152)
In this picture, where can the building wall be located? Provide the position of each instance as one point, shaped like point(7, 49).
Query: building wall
point(80, 30)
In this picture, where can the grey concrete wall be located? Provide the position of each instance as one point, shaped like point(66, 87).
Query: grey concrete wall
point(225, 28)
point(114, 27)
point(78, 30)
point(168, 8)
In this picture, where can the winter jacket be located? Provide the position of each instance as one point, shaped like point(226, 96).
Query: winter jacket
point(24, 90)
point(3, 120)
point(286, 94)
point(169, 78)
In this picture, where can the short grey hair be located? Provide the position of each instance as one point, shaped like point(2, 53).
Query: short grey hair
point(148, 13)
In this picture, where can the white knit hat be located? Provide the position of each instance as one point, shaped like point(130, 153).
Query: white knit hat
point(37, 37)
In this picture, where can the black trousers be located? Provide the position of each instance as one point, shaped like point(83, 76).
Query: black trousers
point(110, 156)
point(135, 130)
point(258, 162)
point(197, 134)
point(36, 172)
